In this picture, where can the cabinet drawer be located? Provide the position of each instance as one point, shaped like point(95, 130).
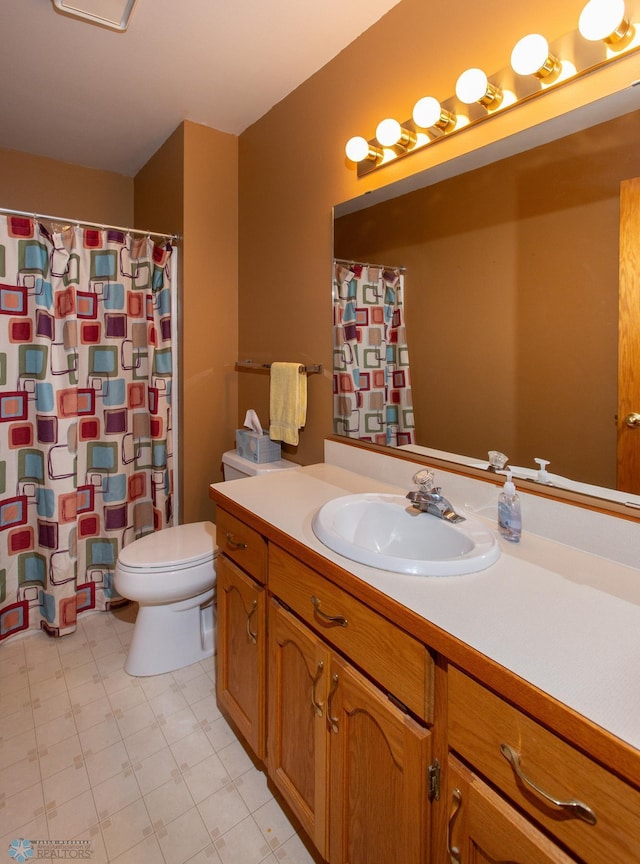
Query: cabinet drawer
point(481, 725)
point(397, 661)
point(242, 544)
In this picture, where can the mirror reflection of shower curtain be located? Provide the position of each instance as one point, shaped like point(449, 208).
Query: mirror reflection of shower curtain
point(86, 440)
point(371, 376)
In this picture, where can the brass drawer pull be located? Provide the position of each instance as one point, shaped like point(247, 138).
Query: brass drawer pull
point(332, 722)
point(335, 620)
point(577, 808)
point(253, 637)
point(454, 852)
point(235, 544)
point(317, 706)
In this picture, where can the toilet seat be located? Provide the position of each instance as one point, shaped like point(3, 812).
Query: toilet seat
point(176, 548)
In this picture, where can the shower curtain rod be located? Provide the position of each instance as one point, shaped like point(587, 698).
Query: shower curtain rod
point(39, 216)
point(368, 264)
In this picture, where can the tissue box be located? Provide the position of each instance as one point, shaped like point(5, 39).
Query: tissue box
point(257, 448)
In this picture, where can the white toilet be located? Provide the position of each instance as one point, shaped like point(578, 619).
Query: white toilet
point(171, 575)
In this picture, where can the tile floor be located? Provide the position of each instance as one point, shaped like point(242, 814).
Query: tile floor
point(145, 768)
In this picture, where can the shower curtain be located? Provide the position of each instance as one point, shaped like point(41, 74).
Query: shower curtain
point(371, 377)
point(85, 415)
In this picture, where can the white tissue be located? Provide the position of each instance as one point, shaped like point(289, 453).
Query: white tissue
point(251, 421)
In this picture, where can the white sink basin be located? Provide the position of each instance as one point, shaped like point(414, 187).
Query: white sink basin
point(386, 532)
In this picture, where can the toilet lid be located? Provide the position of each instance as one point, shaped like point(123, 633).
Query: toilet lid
point(178, 546)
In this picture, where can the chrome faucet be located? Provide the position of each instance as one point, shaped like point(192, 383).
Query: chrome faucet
point(428, 499)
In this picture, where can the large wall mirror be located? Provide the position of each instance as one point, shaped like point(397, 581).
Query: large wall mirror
point(512, 290)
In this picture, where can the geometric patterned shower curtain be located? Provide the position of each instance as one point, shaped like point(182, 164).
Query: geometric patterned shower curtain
point(85, 415)
point(371, 376)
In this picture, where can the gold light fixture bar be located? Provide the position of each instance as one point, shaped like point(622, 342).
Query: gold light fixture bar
point(536, 66)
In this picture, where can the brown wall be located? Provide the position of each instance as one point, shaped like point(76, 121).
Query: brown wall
point(293, 169)
point(210, 311)
point(52, 188)
point(190, 187)
point(512, 299)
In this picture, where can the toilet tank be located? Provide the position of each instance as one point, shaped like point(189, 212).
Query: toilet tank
point(235, 466)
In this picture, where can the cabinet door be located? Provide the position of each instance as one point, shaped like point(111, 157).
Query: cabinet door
point(241, 645)
point(299, 665)
point(484, 829)
point(379, 758)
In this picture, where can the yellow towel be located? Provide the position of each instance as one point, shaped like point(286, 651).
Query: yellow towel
point(288, 402)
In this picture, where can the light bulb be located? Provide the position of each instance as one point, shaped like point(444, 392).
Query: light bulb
point(357, 148)
point(388, 132)
point(429, 113)
point(473, 86)
point(531, 57)
point(426, 112)
point(602, 20)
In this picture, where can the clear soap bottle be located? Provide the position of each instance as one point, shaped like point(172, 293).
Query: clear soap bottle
point(509, 514)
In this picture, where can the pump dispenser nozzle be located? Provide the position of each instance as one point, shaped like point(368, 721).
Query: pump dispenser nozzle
point(509, 486)
point(543, 476)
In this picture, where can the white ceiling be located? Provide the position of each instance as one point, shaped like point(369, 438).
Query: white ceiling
point(92, 96)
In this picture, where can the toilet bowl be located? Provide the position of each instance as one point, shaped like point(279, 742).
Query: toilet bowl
point(171, 575)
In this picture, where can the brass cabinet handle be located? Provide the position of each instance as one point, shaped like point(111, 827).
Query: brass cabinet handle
point(317, 706)
point(235, 544)
point(335, 620)
point(632, 420)
point(332, 722)
point(454, 852)
point(576, 808)
point(253, 637)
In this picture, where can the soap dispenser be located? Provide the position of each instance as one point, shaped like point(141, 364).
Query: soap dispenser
point(509, 515)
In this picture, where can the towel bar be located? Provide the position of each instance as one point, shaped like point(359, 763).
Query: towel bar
point(251, 366)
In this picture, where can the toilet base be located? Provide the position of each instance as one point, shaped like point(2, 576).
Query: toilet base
point(171, 636)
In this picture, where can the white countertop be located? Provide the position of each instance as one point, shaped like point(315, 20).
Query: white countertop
point(565, 621)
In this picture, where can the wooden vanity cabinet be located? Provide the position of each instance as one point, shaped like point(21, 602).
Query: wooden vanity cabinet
point(483, 828)
point(590, 811)
point(241, 570)
point(338, 700)
point(352, 765)
point(347, 756)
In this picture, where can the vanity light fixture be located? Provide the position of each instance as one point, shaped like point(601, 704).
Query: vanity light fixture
point(474, 86)
point(606, 21)
point(358, 149)
point(391, 134)
point(531, 56)
point(607, 34)
point(428, 113)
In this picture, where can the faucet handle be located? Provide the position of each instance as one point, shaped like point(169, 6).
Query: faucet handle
point(424, 479)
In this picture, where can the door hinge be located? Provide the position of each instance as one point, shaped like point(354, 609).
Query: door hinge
point(434, 781)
